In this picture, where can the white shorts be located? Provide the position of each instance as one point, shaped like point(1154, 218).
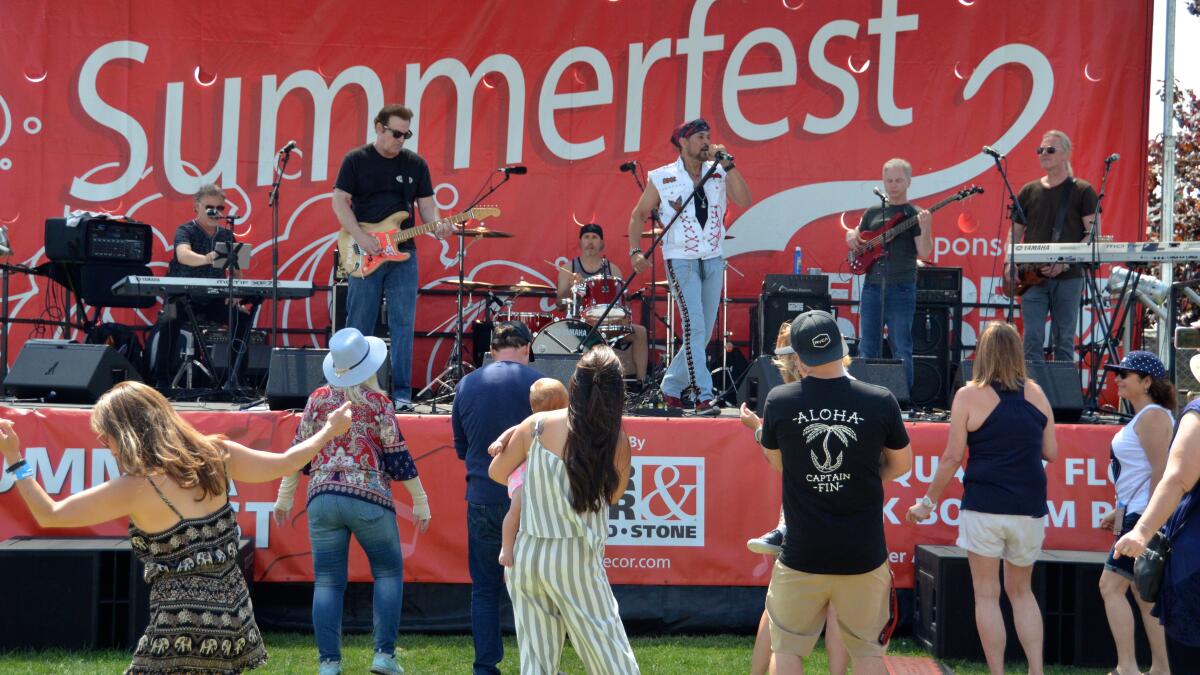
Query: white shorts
point(1017, 539)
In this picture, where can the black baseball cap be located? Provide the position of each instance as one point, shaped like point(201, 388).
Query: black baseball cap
point(511, 334)
point(817, 338)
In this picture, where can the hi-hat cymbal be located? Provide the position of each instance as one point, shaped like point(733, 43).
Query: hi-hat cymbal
point(481, 232)
point(468, 284)
point(521, 287)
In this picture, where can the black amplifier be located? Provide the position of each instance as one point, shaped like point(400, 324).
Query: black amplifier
point(798, 284)
point(98, 239)
point(939, 285)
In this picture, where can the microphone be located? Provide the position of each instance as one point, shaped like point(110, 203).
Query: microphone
point(513, 170)
point(1112, 158)
point(995, 154)
point(722, 156)
point(629, 166)
point(291, 145)
point(882, 197)
point(212, 212)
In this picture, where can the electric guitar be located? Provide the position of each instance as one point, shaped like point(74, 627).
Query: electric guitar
point(863, 258)
point(355, 262)
point(1027, 277)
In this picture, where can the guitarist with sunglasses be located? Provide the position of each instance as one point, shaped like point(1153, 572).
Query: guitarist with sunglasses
point(1059, 208)
point(376, 181)
point(889, 292)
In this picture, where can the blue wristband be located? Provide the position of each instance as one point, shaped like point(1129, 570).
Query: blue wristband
point(24, 471)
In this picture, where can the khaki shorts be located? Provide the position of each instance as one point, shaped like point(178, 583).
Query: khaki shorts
point(796, 604)
point(1017, 539)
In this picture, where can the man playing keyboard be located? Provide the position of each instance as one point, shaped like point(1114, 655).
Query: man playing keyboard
point(195, 251)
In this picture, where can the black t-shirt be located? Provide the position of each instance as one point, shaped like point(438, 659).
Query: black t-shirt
point(1041, 206)
point(901, 261)
point(202, 243)
point(832, 434)
point(380, 186)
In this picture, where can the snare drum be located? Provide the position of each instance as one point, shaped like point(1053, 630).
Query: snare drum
point(535, 321)
point(598, 293)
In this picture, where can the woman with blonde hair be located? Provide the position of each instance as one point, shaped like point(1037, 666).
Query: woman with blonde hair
point(1006, 421)
point(173, 486)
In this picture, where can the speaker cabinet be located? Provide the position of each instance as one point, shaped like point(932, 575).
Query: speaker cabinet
point(761, 377)
point(557, 366)
point(1060, 381)
point(773, 309)
point(931, 336)
point(65, 372)
point(337, 313)
point(887, 373)
point(296, 373)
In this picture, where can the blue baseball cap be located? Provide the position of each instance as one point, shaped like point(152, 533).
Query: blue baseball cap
point(1144, 363)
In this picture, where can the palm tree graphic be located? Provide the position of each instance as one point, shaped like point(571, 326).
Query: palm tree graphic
point(844, 433)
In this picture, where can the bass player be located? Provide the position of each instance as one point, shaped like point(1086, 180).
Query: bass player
point(889, 291)
point(375, 181)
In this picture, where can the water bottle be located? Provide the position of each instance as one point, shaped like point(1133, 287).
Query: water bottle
point(797, 259)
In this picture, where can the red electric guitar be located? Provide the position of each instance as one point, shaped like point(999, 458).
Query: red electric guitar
point(863, 258)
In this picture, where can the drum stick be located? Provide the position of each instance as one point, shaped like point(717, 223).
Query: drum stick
point(564, 269)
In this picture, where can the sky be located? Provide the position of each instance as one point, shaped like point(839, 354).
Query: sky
point(1187, 56)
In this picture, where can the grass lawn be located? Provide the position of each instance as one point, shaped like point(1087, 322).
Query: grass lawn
point(296, 653)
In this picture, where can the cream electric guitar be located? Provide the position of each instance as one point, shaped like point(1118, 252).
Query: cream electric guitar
point(354, 262)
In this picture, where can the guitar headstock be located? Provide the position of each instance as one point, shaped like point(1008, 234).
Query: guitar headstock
point(967, 192)
point(484, 212)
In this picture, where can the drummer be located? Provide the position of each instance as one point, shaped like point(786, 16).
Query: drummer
point(591, 262)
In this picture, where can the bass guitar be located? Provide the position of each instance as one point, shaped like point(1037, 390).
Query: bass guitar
point(357, 263)
point(875, 242)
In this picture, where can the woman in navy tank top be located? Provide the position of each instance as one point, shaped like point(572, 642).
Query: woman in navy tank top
point(1006, 420)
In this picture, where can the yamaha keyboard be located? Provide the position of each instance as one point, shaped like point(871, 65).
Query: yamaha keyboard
point(176, 286)
point(1107, 252)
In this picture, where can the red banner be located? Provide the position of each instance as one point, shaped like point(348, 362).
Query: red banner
point(699, 489)
point(127, 106)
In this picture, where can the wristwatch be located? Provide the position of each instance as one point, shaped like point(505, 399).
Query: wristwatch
point(927, 502)
point(635, 251)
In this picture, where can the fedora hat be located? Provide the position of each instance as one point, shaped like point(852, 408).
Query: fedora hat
point(353, 357)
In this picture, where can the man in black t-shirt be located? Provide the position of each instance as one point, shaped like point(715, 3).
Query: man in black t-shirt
point(835, 440)
point(375, 181)
point(1059, 293)
point(195, 250)
point(889, 293)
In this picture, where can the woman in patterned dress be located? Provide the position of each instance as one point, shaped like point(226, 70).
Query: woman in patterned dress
point(173, 486)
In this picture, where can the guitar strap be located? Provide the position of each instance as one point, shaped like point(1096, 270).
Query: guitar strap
point(1061, 217)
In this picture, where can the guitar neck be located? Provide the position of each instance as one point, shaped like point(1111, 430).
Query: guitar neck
point(899, 229)
point(413, 232)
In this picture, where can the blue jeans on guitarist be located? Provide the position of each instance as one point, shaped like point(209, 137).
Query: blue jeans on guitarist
point(399, 281)
point(1061, 298)
point(897, 315)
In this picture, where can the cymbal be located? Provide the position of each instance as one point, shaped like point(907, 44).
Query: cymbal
point(468, 284)
point(481, 232)
point(521, 287)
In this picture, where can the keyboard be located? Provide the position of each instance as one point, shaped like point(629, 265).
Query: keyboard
point(1107, 252)
point(176, 286)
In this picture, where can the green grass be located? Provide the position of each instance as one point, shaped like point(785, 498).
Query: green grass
point(419, 654)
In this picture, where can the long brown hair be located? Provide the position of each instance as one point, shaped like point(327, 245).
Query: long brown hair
point(595, 396)
point(148, 437)
point(788, 364)
point(999, 357)
point(1162, 392)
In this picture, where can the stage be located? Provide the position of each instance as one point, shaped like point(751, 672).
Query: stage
point(698, 490)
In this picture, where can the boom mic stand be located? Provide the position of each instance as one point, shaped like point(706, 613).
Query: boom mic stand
point(1111, 331)
point(1014, 210)
point(285, 153)
point(656, 224)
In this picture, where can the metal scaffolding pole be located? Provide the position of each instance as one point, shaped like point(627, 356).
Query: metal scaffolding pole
point(1166, 333)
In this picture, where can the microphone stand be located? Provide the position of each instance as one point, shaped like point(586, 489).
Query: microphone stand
point(884, 203)
point(273, 203)
point(1012, 238)
point(655, 224)
point(1109, 330)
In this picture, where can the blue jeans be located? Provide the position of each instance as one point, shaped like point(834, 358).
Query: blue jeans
point(1059, 297)
point(898, 316)
point(487, 584)
point(696, 285)
point(399, 281)
point(331, 520)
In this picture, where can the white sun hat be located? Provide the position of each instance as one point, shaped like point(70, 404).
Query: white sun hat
point(353, 357)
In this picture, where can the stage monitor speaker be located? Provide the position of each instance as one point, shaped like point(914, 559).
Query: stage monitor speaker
point(296, 373)
point(65, 372)
point(761, 377)
point(773, 309)
point(1060, 381)
point(558, 366)
point(887, 373)
point(931, 357)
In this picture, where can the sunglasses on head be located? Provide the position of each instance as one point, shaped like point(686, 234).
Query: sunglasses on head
point(399, 134)
point(1046, 150)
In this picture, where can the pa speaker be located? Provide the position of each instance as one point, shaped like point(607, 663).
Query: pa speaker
point(296, 373)
point(886, 373)
point(1060, 381)
point(557, 366)
point(761, 377)
point(931, 336)
point(66, 372)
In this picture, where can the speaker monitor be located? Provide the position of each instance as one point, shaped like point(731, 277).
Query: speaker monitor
point(65, 372)
point(557, 366)
point(1060, 381)
point(887, 373)
point(296, 373)
point(760, 378)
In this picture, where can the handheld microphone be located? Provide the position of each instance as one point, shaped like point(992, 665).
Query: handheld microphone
point(291, 145)
point(1112, 158)
point(994, 153)
point(882, 196)
point(722, 156)
point(629, 166)
point(513, 170)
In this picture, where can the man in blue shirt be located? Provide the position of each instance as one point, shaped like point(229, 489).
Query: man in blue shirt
point(487, 402)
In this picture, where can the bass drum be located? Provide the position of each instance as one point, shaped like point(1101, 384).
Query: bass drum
point(565, 337)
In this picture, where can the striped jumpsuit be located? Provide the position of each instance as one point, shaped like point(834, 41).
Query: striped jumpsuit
point(557, 581)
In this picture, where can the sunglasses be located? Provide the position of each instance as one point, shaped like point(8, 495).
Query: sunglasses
point(1045, 150)
point(220, 208)
point(399, 134)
